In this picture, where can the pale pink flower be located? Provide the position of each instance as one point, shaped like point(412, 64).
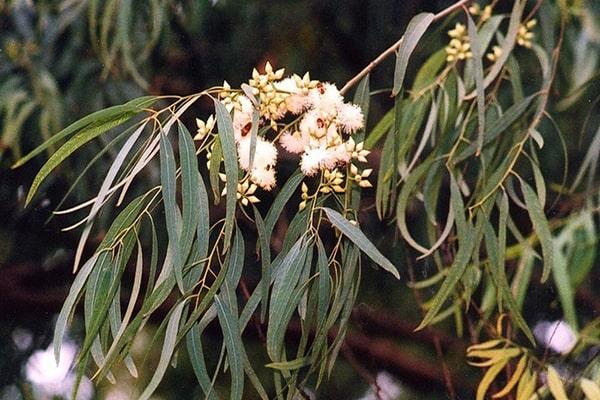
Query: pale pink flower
point(292, 142)
point(263, 177)
point(350, 117)
point(265, 154)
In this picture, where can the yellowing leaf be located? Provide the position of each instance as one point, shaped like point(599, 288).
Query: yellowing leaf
point(513, 379)
point(555, 385)
point(489, 377)
point(590, 388)
point(484, 345)
point(526, 385)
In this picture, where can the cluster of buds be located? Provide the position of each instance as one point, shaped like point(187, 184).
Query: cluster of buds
point(316, 122)
point(204, 128)
point(459, 47)
point(271, 102)
point(245, 191)
point(484, 14)
point(332, 182)
point(360, 177)
point(525, 35)
point(494, 54)
point(304, 196)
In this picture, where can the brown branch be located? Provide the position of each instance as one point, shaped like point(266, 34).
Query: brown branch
point(393, 48)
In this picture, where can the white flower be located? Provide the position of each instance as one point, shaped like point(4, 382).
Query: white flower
point(296, 103)
point(313, 125)
point(317, 158)
point(265, 154)
point(292, 142)
point(388, 388)
point(242, 117)
point(295, 100)
point(312, 160)
point(325, 99)
point(287, 85)
point(263, 177)
point(556, 335)
point(340, 154)
point(350, 116)
point(50, 379)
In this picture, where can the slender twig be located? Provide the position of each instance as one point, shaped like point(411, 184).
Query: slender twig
point(363, 372)
point(437, 345)
point(393, 48)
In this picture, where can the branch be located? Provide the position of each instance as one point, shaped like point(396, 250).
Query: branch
point(393, 48)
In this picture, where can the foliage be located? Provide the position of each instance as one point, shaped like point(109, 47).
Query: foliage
point(462, 151)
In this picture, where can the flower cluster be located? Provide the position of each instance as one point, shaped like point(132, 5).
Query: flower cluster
point(459, 47)
point(494, 54)
point(484, 14)
point(304, 117)
point(525, 35)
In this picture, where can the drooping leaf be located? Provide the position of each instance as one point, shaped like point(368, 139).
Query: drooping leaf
point(231, 166)
point(191, 190)
point(359, 239)
point(590, 389)
point(556, 385)
point(540, 226)
point(233, 343)
point(167, 180)
point(414, 31)
point(89, 122)
point(69, 304)
point(477, 49)
point(166, 352)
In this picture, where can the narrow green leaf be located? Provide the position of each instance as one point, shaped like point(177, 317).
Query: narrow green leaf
point(500, 280)
point(455, 273)
point(283, 287)
point(280, 202)
point(324, 284)
point(428, 72)
point(88, 122)
point(68, 148)
point(414, 31)
point(289, 365)
point(233, 343)
point(196, 354)
point(458, 208)
point(215, 169)
point(265, 261)
point(562, 281)
point(380, 129)
point(104, 189)
point(166, 352)
point(383, 195)
point(477, 49)
point(359, 239)
point(507, 45)
point(540, 226)
point(402, 204)
point(167, 180)
point(69, 304)
point(190, 191)
point(231, 167)
point(362, 99)
point(498, 126)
